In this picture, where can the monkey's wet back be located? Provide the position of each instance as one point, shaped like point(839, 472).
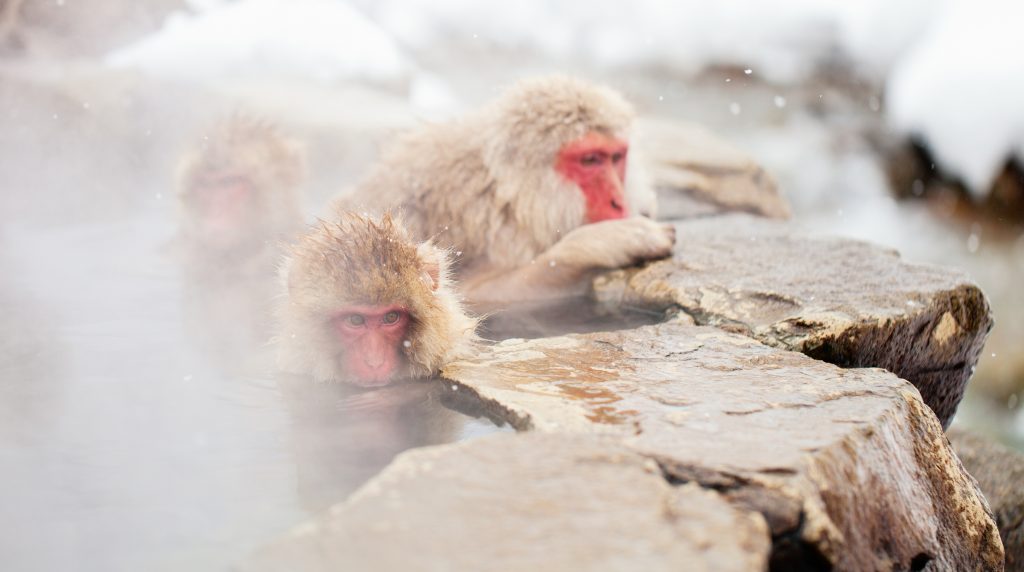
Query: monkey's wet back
point(140, 423)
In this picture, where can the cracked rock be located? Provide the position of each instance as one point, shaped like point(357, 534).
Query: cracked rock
point(843, 301)
point(525, 502)
point(848, 466)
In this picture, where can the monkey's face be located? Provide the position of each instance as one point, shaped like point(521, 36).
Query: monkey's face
point(372, 338)
point(222, 206)
point(596, 163)
point(363, 304)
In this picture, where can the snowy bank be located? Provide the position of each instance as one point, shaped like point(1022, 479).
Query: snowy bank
point(961, 88)
point(324, 40)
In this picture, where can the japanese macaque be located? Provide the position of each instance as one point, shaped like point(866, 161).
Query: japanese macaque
point(531, 192)
point(238, 191)
point(365, 305)
point(239, 205)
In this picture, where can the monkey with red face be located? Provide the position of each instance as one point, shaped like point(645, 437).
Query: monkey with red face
point(531, 191)
point(239, 193)
point(239, 201)
point(365, 305)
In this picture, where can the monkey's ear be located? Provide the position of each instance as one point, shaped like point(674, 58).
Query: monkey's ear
point(430, 260)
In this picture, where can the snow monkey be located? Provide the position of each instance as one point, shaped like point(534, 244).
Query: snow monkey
point(238, 204)
point(531, 190)
point(364, 304)
point(238, 189)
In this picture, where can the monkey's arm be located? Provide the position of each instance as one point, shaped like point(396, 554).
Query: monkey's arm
point(564, 269)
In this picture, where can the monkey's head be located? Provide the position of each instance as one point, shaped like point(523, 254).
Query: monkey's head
point(240, 183)
point(563, 143)
point(365, 305)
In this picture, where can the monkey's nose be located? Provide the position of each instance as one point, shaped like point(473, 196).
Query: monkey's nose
point(616, 204)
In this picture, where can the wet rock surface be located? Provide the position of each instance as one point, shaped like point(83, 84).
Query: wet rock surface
point(847, 466)
point(525, 502)
point(846, 302)
point(1000, 474)
point(697, 173)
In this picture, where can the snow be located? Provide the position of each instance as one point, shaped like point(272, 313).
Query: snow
point(961, 88)
point(773, 38)
point(323, 40)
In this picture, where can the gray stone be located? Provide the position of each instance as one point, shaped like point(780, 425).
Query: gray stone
point(842, 301)
point(697, 173)
point(1000, 474)
point(848, 466)
point(525, 502)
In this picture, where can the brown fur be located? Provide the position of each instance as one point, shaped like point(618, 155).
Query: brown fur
point(359, 260)
point(275, 166)
point(486, 185)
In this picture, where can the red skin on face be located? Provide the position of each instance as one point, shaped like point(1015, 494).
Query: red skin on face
point(372, 336)
point(224, 200)
point(597, 164)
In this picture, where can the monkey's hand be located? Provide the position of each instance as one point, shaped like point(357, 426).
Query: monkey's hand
point(562, 270)
point(612, 244)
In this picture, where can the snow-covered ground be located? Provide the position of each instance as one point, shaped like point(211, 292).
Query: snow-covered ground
point(961, 87)
point(322, 40)
point(953, 69)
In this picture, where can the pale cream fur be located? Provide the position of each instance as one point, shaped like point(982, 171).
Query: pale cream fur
point(486, 186)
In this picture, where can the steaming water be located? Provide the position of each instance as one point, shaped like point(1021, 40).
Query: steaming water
point(142, 430)
point(125, 444)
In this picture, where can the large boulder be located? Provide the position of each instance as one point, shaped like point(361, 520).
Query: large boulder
point(697, 173)
point(848, 466)
point(525, 502)
point(843, 301)
point(1000, 474)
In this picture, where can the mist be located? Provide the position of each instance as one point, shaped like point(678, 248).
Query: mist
point(143, 424)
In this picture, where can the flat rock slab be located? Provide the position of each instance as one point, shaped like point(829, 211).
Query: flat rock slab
point(843, 301)
point(697, 173)
point(1000, 474)
point(848, 466)
point(525, 502)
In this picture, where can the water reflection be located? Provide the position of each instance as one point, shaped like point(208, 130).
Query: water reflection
point(141, 426)
point(573, 316)
point(341, 437)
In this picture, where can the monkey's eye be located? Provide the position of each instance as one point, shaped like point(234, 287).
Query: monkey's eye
point(355, 320)
point(391, 317)
point(617, 157)
point(590, 159)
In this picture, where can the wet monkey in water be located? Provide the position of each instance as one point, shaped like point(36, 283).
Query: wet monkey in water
point(364, 304)
point(531, 192)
